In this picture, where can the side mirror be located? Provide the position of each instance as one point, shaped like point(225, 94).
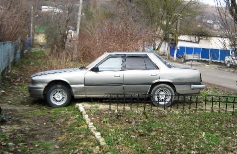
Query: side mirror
point(95, 69)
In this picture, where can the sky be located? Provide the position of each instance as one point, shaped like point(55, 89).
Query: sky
point(211, 2)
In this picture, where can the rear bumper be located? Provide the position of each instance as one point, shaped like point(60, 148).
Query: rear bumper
point(198, 87)
point(193, 88)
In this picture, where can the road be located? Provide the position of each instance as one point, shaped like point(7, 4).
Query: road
point(220, 77)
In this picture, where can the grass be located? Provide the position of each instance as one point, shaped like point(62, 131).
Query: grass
point(201, 132)
point(34, 127)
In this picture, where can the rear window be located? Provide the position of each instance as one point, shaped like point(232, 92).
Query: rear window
point(164, 61)
point(139, 63)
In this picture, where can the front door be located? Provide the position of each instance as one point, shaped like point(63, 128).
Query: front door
point(108, 79)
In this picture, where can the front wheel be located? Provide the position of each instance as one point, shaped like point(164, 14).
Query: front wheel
point(162, 95)
point(58, 95)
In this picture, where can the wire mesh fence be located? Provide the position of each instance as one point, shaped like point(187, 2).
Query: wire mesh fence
point(193, 103)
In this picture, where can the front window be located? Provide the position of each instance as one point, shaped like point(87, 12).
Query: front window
point(111, 64)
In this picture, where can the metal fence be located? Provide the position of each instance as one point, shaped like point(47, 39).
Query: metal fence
point(215, 55)
point(9, 53)
point(193, 103)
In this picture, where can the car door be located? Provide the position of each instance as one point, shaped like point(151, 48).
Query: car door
point(139, 74)
point(107, 79)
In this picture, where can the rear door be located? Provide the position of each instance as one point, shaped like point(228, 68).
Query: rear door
point(139, 73)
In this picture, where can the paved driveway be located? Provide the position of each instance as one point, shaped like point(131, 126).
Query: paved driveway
point(212, 75)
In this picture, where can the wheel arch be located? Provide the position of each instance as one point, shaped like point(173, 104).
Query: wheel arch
point(57, 82)
point(163, 82)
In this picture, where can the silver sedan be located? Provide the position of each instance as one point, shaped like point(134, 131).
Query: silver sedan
point(117, 73)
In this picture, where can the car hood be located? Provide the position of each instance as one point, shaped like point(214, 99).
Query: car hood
point(56, 72)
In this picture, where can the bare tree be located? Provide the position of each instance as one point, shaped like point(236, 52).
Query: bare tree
point(228, 18)
point(232, 7)
point(162, 16)
point(57, 24)
point(14, 19)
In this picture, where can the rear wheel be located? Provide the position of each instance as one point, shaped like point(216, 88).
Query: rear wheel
point(58, 95)
point(183, 59)
point(162, 95)
point(228, 64)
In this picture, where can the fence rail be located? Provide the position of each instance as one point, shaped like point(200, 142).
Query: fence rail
point(212, 103)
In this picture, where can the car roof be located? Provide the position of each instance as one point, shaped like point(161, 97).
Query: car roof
point(128, 53)
point(152, 55)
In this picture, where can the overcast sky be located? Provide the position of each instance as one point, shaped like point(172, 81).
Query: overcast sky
point(211, 2)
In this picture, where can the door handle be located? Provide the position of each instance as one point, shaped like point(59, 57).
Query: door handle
point(117, 75)
point(153, 74)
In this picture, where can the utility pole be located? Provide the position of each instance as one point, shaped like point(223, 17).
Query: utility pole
point(79, 17)
point(75, 54)
point(177, 36)
point(32, 27)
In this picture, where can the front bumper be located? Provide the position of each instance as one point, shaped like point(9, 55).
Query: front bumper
point(35, 91)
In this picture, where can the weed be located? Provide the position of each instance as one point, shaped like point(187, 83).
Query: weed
point(44, 145)
point(3, 138)
point(38, 112)
point(211, 139)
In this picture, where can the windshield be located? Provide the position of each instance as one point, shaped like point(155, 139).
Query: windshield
point(96, 61)
point(164, 61)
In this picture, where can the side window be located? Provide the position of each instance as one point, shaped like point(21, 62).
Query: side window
point(149, 64)
point(135, 63)
point(139, 63)
point(111, 64)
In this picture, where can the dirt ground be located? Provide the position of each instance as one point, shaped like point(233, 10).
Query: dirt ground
point(22, 129)
point(31, 125)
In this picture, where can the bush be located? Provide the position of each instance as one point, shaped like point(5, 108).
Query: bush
point(111, 36)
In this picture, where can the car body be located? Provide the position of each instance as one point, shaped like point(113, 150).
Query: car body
point(117, 73)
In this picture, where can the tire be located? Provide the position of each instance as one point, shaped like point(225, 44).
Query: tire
point(183, 59)
point(162, 95)
point(228, 64)
point(58, 95)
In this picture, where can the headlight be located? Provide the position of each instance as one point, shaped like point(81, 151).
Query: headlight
point(32, 81)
